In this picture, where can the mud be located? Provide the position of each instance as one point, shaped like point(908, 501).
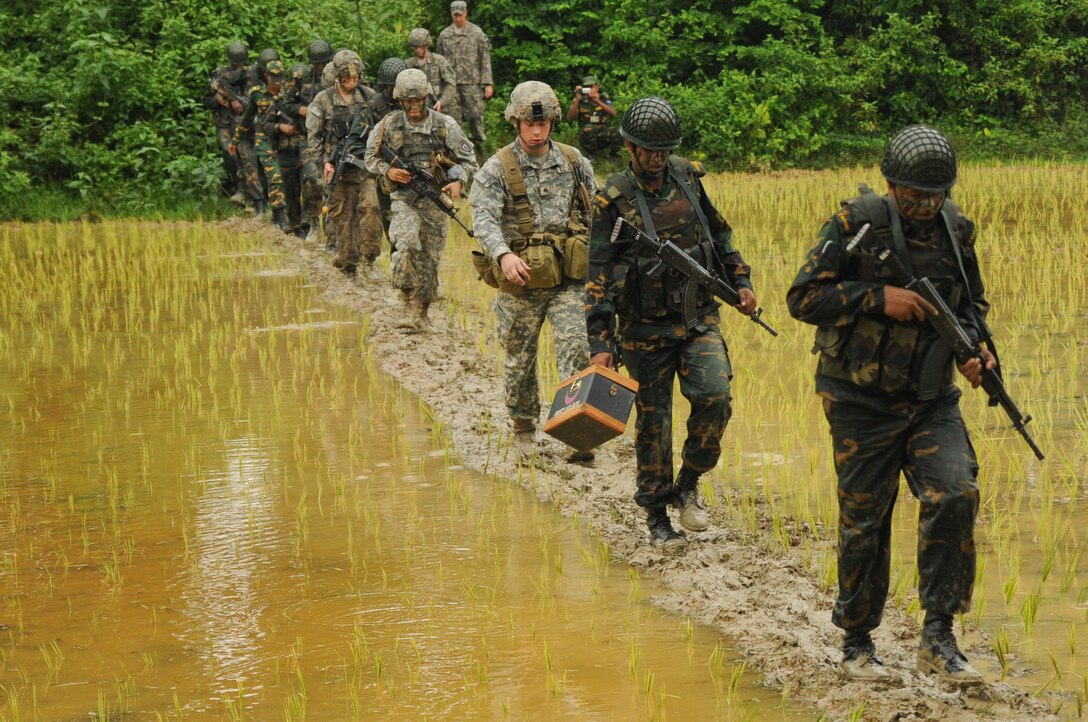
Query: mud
point(768, 601)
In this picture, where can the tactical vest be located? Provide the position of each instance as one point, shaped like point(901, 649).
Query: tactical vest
point(410, 146)
point(339, 122)
point(381, 105)
point(652, 296)
point(876, 351)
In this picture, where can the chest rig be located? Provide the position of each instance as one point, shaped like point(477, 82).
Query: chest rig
point(651, 292)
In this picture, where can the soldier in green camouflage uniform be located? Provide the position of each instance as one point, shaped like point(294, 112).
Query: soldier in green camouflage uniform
point(886, 417)
point(319, 53)
point(225, 112)
point(593, 110)
point(262, 117)
point(418, 229)
point(287, 135)
point(631, 309)
point(557, 183)
point(253, 175)
point(354, 222)
point(381, 105)
point(466, 46)
point(438, 70)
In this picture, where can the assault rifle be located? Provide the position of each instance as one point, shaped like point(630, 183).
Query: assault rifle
point(340, 158)
point(947, 327)
point(223, 89)
point(672, 256)
point(423, 183)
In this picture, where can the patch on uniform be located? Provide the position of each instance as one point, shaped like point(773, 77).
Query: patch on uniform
point(465, 147)
point(698, 168)
point(613, 192)
point(484, 178)
point(601, 201)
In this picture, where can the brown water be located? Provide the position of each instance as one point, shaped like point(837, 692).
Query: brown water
point(212, 507)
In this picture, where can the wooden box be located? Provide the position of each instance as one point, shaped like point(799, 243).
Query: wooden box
point(591, 407)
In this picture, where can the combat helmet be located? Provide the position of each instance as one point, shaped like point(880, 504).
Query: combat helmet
point(390, 69)
point(345, 63)
point(237, 53)
point(412, 83)
point(418, 37)
point(267, 56)
point(651, 122)
point(920, 157)
point(298, 71)
point(532, 100)
point(319, 51)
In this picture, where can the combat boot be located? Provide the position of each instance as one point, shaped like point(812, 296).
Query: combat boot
point(859, 660)
point(693, 516)
point(408, 317)
point(938, 652)
point(523, 427)
point(279, 218)
point(369, 271)
point(258, 208)
point(580, 457)
point(238, 199)
point(422, 322)
point(662, 535)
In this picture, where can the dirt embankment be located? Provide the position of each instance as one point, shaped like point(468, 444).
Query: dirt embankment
point(768, 602)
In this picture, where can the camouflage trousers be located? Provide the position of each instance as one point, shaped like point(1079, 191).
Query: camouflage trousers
point(471, 106)
point(598, 137)
point(417, 232)
point(250, 170)
point(385, 205)
point(291, 171)
point(874, 440)
point(520, 319)
point(313, 185)
point(353, 219)
point(225, 136)
point(701, 361)
point(271, 165)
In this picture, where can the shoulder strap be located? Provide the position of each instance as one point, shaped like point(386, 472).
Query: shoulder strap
point(680, 169)
point(885, 223)
point(515, 179)
point(574, 160)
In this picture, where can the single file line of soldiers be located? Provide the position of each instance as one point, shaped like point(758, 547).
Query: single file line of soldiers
point(588, 260)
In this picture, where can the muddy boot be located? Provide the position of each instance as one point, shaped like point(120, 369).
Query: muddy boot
point(314, 234)
point(580, 457)
point(408, 317)
point(369, 271)
point(524, 427)
point(693, 516)
point(279, 218)
point(258, 208)
point(662, 535)
point(238, 199)
point(938, 652)
point(422, 322)
point(859, 660)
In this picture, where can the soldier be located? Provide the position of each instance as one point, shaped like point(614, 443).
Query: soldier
point(432, 142)
point(287, 135)
point(594, 112)
point(438, 70)
point(319, 53)
point(466, 47)
point(252, 172)
point(224, 97)
point(354, 224)
point(530, 207)
point(632, 308)
point(887, 417)
point(381, 105)
point(263, 117)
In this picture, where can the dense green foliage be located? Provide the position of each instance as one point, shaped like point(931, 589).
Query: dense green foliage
point(101, 97)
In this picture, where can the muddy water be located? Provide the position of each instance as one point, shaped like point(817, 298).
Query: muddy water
point(213, 507)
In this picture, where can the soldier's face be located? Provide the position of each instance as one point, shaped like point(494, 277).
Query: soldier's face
point(421, 51)
point(533, 135)
point(917, 205)
point(348, 83)
point(274, 85)
point(646, 162)
point(414, 108)
point(459, 19)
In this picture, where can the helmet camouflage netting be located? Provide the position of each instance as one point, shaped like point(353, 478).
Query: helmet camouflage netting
point(920, 157)
point(652, 122)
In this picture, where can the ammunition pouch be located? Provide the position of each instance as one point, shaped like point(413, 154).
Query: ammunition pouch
point(576, 253)
point(485, 269)
point(542, 252)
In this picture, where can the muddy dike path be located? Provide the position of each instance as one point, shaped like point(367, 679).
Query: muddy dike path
point(769, 602)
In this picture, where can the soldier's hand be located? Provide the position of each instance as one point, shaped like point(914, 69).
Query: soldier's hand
point(329, 170)
point(222, 101)
point(972, 370)
point(438, 107)
point(577, 94)
point(236, 106)
point(453, 190)
point(287, 129)
point(595, 95)
point(303, 110)
point(904, 305)
point(399, 175)
point(488, 92)
point(602, 359)
point(747, 304)
point(516, 270)
point(232, 149)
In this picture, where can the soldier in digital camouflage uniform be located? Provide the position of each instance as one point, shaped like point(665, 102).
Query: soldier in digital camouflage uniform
point(885, 416)
point(354, 222)
point(382, 104)
point(438, 70)
point(639, 313)
point(593, 110)
point(319, 53)
point(225, 112)
point(557, 184)
point(466, 46)
point(262, 118)
point(418, 229)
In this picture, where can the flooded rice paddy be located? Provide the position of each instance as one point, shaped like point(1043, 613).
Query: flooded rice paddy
point(212, 506)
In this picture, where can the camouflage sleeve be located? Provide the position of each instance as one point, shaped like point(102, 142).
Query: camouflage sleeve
point(246, 122)
point(373, 159)
point(461, 148)
point(440, 44)
point(739, 272)
point(448, 80)
point(488, 197)
point(485, 60)
point(590, 178)
point(823, 293)
point(208, 100)
point(315, 130)
point(600, 306)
